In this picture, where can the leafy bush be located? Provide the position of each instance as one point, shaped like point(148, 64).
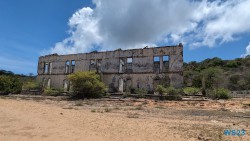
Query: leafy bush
point(141, 92)
point(52, 92)
point(222, 93)
point(169, 93)
point(172, 91)
point(191, 90)
point(87, 84)
point(10, 84)
point(232, 64)
point(126, 94)
point(160, 89)
point(31, 85)
point(219, 93)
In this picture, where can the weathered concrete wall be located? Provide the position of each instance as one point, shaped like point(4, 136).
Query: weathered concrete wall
point(115, 68)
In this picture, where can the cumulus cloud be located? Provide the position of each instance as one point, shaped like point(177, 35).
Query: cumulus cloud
point(84, 33)
point(247, 51)
point(225, 21)
point(126, 24)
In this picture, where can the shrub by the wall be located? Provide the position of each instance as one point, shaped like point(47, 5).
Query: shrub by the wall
point(191, 90)
point(141, 92)
point(87, 84)
point(160, 89)
point(52, 92)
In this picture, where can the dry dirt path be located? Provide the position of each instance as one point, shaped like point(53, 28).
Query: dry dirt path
point(29, 120)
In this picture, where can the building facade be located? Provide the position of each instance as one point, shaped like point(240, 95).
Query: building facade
point(120, 70)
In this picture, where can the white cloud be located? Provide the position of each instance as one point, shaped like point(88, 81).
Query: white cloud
point(231, 19)
point(84, 33)
point(247, 51)
point(131, 24)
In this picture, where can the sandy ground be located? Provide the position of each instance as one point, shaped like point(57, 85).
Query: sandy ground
point(25, 119)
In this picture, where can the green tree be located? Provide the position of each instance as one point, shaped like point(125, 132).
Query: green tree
point(212, 77)
point(10, 84)
point(234, 82)
point(87, 84)
point(192, 79)
point(232, 64)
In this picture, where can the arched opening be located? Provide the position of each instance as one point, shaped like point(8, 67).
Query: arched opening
point(120, 85)
point(156, 81)
point(128, 85)
point(48, 83)
point(165, 81)
point(65, 85)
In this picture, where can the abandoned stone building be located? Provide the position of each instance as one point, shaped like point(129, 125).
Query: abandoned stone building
point(120, 70)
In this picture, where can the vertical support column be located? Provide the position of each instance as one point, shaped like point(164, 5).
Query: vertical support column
point(161, 63)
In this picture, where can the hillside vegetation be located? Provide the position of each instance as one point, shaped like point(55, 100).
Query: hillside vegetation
point(210, 74)
point(13, 83)
point(218, 73)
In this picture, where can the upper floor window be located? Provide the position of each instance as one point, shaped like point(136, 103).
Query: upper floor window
point(165, 58)
point(156, 59)
point(73, 63)
point(165, 63)
point(129, 60)
point(121, 65)
point(92, 62)
point(92, 65)
point(67, 66)
point(156, 64)
point(47, 68)
point(129, 65)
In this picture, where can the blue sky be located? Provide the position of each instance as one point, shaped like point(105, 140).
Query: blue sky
point(31, 28)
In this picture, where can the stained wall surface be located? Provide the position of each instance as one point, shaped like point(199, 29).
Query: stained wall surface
point(121, 70)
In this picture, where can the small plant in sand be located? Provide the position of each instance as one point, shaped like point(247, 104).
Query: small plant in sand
point(93, 110)
point(139, 107)
point(107, 110)
point(132, 115)
point(78, 103)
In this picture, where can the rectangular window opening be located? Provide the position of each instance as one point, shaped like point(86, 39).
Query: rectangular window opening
point(165, 58)
point(73, 66)
point(121, 65)
point(46, 68)
point(92, 62)
point(67, 64)
point(156, 64)
point(92, 65)
point(165, 64)
point(156, 59)
point(129, 65)
point(129, 60)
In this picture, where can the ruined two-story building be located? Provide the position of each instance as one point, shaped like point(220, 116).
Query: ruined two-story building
point(120, 70)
